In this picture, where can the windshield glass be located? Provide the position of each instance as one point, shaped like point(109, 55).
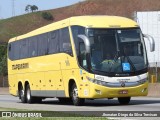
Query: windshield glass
point(117, 50)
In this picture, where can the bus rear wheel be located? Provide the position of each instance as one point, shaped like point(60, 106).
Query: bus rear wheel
point(22, 95)
point(74, 95)
point(124, 100)
point(28, 94)
point(29, 98)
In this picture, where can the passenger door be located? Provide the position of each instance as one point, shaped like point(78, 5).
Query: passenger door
point(66, 58)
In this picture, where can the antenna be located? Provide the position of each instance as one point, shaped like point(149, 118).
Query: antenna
point(13, 8)
point(0, 12)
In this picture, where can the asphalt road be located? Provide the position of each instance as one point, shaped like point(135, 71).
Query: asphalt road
point(52, 104)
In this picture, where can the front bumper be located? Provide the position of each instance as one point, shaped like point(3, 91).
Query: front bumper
point(98, 91)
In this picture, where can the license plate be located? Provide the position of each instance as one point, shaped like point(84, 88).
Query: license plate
point(123, 92)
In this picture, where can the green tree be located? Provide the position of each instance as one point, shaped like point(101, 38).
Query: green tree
point(27, 9)
point(3, 60)
point(47, 16)
point(33, 8)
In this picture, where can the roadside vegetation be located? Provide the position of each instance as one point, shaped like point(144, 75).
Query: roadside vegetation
point(3, 60)
point(61, 116)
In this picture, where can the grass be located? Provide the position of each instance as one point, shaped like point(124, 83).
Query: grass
point(16, 26)
point(58, 116)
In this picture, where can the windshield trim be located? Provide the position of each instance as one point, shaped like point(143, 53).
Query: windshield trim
point(123, 74)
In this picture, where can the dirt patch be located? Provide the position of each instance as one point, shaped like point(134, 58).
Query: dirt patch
point(154, 90)
point(4, 90)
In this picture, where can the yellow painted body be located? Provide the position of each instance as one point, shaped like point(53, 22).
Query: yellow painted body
point(50, 72)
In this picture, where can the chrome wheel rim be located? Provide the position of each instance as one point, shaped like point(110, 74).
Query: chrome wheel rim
point(28, 94)
point(75, 93)
point(22, 93)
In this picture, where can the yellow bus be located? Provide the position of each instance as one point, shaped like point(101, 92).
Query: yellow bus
point(83, 57)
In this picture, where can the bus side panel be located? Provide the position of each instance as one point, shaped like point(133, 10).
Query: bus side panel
point(13, 85)
point(54, 84)
point(28, 77)
point(39, 78)
point(50, 83)
point(53, 76)
point(67, 64)
point(70, 70)
point(37, 83)
point(84, 85)
point(67, 76)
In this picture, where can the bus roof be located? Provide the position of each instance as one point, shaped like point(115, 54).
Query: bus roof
point(102, 21)
point(94, 21)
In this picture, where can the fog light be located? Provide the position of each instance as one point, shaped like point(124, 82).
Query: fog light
point(98, 91)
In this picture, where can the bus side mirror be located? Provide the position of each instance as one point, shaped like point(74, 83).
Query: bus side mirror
point(151, 42)
point(86, 42)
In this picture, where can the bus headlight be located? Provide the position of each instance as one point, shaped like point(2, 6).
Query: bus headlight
point(142, 81)
point(99, 82)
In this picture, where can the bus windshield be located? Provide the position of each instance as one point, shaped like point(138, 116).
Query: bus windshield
point(117, 50)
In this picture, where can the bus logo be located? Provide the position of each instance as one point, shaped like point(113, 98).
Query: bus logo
point(123, 84)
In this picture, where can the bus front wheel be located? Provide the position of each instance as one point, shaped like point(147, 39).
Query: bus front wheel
point(124, 100)
point(74, 95)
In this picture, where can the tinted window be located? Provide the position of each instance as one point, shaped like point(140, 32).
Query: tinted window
point(42, 44)
point(16, 50)
point(65, 44)
point(10, 51)
point(53, 42)
point(32, 46)
point(77, 30)
point(24, 49)
point(48, 43)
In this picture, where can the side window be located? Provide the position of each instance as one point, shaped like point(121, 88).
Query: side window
point(65, 44)
point(42, 44)
point(53, 42)
point(77, 30)
point(24, 49)
point(10, 51)
point(32, 46)
point(16, 50)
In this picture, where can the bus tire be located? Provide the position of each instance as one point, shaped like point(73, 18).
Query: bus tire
point(22, 95)
point(124, 100)
point(74, 95)
point(29, 97)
